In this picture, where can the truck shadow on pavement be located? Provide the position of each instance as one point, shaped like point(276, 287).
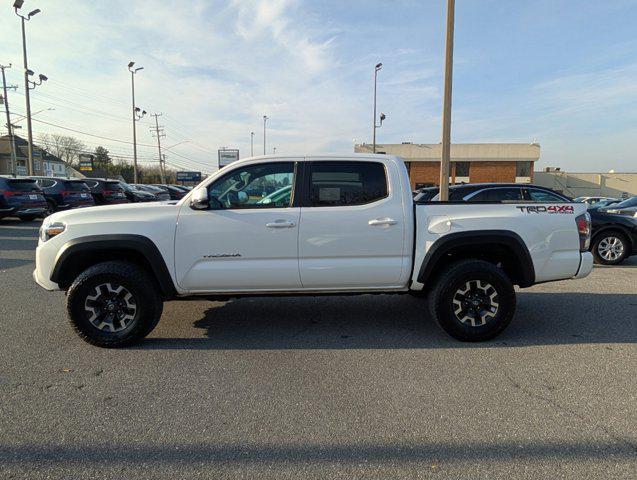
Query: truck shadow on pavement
point(400, 321)
point(110, 457)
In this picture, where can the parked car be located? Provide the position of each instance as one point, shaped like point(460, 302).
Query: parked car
point(350, 226)
point(183, 188)
point(136, 195)
point(492, 192)
point(595, 200)
point(106, 192)
point(160, 193)
point(174, 192)
point(614, 232)
point(22, 198)
point(64, 193)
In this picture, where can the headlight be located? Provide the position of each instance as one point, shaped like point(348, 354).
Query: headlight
point(51, 230)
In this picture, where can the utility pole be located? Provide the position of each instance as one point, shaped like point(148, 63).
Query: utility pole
point(445, 160)
point(159, 133)
point(376, 70)
point(252, 144)
point(6, 109)
point(265, 119)
point(17, 5)
point(137, 115)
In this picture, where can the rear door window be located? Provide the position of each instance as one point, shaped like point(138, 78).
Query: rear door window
point(335, 184)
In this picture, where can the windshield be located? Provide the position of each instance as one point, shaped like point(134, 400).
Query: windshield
point(631, 202)
point(127, 187)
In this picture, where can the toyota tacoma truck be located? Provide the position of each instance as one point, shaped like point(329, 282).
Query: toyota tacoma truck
point(307, 225)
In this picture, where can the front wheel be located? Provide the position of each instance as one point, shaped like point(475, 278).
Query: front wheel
point(473, 300)
point(610, 248)
point(114, 304)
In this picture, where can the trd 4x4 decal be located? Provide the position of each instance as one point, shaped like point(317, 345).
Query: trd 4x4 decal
point(568, 209)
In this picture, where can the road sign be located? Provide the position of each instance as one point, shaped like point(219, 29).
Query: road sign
point(189, 176)
point(227, 156)
point(86, 162)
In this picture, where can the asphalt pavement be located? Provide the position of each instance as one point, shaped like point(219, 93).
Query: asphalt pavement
point(321, 387)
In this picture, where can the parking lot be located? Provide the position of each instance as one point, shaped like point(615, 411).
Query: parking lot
point(320, 387)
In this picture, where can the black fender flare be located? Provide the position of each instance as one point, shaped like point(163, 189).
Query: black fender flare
point(506, 238)
point(139, 244)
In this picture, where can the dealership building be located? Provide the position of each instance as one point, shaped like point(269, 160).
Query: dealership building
point(470, 162)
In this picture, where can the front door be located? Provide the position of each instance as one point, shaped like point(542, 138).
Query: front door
point(249, 241)
point(352, 227)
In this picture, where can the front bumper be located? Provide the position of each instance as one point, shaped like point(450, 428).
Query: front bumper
point(45, 256)
point(585, 265)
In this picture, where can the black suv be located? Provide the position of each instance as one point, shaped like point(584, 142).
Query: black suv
point(136, 195)
point(494, 192)
point(22, 198)
point(64, 193)
point(106, 192)
point(614, 232)
point(174, 192)
point(160, 193)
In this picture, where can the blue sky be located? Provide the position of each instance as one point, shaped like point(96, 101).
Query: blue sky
point(562, 73)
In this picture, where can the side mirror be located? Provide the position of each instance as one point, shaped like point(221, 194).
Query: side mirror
point(200, 200)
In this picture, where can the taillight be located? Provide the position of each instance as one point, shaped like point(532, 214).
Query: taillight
point(584, 230)
point(67, 193)
point(9, 193)
point(108, 192)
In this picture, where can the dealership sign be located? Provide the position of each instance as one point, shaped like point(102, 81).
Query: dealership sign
point(189, 176)
point(227, 156)
point(86, 162)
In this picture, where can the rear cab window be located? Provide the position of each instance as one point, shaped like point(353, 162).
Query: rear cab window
point(336, 184)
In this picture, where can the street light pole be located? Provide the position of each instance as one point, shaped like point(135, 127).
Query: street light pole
point(9, 125)
point(252, 144)
point(376, 69)
point(265, 119)
point(136, 116)
point(17, 5)
point(445, 159)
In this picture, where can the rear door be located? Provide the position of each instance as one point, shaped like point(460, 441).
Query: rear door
point(352, 227)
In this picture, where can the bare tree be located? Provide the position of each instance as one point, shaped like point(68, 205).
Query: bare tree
point(63, 146)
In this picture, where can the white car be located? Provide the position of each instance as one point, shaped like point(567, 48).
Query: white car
point(349, 225)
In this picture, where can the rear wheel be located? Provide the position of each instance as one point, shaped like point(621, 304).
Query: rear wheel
point(473, 300)
point(114, 304)
point(610, 248)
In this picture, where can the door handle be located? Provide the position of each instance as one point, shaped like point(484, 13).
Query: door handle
point(280, 224)
point(382, 221)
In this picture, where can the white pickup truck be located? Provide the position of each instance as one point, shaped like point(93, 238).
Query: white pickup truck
point(289, 225)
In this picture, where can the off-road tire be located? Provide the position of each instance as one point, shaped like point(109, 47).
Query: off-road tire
point(495, 297)
point(607, 236)
point(144, 296)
